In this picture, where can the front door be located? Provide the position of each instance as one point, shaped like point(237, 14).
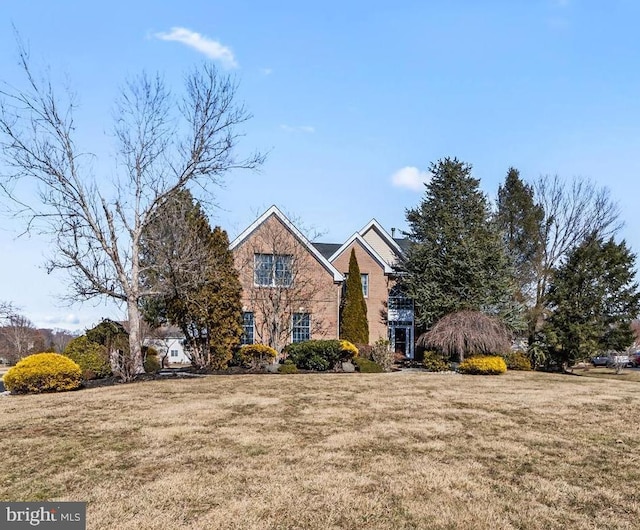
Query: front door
point(400, 340)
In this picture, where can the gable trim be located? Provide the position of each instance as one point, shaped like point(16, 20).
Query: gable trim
point(274, 211)
point(384, 235)
point(368, 248)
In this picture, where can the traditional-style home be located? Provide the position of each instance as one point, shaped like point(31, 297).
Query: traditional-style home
point(292, 288)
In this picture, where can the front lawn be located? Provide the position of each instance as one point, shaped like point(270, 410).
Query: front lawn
point(356, 451)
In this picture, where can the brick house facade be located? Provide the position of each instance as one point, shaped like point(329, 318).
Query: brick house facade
point(292, 288)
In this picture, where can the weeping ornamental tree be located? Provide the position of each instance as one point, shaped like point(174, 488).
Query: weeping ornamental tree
point(465, 333)
point(354, 326)
point(163, 144)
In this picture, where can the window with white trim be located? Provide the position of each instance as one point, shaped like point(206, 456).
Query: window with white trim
point(174, 353)
point(301, 327)
point(247, 328)
point(273, 270)
point(364, 279)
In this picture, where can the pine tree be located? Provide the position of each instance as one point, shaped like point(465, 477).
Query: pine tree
point(593, 299)
point(192, 268)
point(457, 260)
point(519, 219)
point(354, 326)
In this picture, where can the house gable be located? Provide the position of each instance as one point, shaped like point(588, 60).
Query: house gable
point(380, 240)
point(274, 212)
point(359, 240)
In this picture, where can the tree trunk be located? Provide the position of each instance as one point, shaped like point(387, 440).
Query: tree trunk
point(135, 338)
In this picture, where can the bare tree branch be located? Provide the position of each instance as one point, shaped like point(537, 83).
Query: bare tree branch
point(96, 227)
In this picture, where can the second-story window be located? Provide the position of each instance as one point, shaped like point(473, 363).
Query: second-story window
point(273, 270)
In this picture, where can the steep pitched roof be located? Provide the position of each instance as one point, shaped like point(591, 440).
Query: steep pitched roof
point(391, 242)
point(326, 249)
point(357, 237)
point(274, 211)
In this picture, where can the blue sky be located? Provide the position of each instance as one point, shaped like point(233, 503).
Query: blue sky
point(352, 100)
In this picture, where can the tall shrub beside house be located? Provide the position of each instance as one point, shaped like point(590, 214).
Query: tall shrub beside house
point(202, 297)
point(354, 326)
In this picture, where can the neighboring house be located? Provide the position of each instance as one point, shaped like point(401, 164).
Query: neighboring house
point(292, 288)
point(169, 341)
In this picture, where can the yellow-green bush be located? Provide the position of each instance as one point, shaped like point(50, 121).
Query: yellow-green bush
point(255, 355)
point(366, 366)
point(91, 357)
point(151, 362)
point(43, 372)
point(433, 362)
point(517, 360)
point(349, 348)
point(287, 368)
point(483, 365)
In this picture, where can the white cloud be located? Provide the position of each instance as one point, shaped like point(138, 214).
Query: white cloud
point(62, 319)
point(266, 71)
point(211, 48)
point(410, 178)
point(298, 128)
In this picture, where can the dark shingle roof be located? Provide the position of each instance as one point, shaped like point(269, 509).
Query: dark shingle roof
point(327, 249)
point(403, 242)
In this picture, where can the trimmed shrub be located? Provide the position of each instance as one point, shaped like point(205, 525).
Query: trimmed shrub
point(91, 357)
point(43, 372)
point(364, 350)
point(318, 355)
point(434, 362)
point(287, 368)
point(483, 365)
point(347, 346)
point(151, 362)
point(366, 366)
point(254, 355)
point(382, 355)
point(517, 360)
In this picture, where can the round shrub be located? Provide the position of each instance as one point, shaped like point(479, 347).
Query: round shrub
point(348, 348)
point(366, 366)
point(483, 365)
point(255, 355)
point(517, 360)
point(287, 368)
point(43, 372)
point(434, 362)
point(319, 355)
point(91, 357)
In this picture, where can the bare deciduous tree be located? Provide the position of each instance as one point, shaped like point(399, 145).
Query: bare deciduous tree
point(572, 211)
point(17, 338)
point(163, 145)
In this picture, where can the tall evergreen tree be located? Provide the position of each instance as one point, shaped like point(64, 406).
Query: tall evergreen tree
point(354, 326)
point(457, 260)
point(192, 269)
point(593, 298)
point(519, 219)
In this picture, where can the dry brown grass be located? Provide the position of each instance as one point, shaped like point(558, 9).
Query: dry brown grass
point(355, 451)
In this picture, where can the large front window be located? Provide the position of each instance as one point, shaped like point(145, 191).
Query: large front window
point(301, 329)
point(273, 270)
